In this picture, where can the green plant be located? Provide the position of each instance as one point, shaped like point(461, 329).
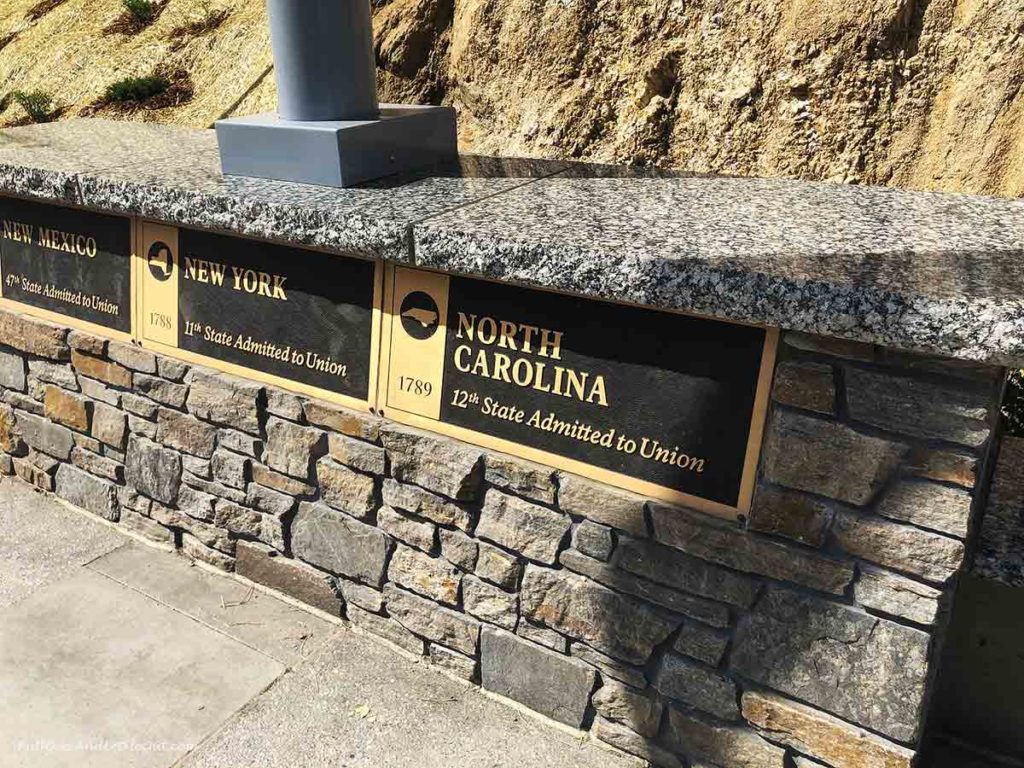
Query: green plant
point(142, 11)
point(1013, 404)
point(38, 105)
point(137, 88)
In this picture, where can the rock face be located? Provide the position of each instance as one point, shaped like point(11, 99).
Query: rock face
point(530, 529)
point(155, 471)
point(335, 542)
point(857, 666)
point(85, 491)
point(727, 745)
point(548, 682)
point(442, 466)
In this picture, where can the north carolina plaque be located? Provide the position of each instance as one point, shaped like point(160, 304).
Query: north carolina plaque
point(67, 261)
point(291, 314)
point(662, 403)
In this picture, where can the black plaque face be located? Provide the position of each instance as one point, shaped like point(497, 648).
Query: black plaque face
point(663, 398)
point(75, 263)
point(286, 312)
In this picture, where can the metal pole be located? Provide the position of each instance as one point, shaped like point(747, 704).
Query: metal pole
point(323, 59)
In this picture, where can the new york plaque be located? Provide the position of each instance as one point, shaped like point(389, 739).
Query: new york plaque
point(287, 314)
point(662, 403)
point(73, 263)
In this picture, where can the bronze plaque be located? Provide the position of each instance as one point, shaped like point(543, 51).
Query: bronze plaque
point(665, 404)
point(71, 263)
point(303, 319)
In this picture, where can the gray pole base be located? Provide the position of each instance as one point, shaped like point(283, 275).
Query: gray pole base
point(337, 153)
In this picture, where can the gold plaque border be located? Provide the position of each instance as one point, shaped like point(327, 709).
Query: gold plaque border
point(759, 415)
point(73, 322)
point(367, 405)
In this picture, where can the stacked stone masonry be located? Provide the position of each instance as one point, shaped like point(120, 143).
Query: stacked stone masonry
point(805, 633)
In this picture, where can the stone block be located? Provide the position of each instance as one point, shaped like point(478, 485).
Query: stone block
point(944, 466)
point(386, 628)
point(458, 548)
point(697, 686)
point(791, 515)
point(828, 459)
point(34, 336)
point(161, 390)
point(196, 504)
point(268, 501)
point(453, 662)
point(292, 449)
point(97, 465)
point(421, 503)
point(416, 533)
point(272, 569)
point(10, 437)
point(215, 489)
point(542, 636)
point(66, 408)
point(338, 543)
point(439, 464)
point(193, 548)
point(109, 425)
point(489, 603)
point(145, 527)
point(431, 577)
point(351, 492)
point(186, 433)
point(351, 423)
point(702, 643)
point(97, 390)
point(928, 505)
point(171, 369)
point(896, 595)
point(88, 443)
point(237, 519)
point(356, 454)
point(87, 492)
point(530, 529)
point(434, 622)
point(810, 386)
point(52, 439)
point(734, 548)
point(239, 442)
point(86, 342)
point(139, 406)
point(625, 739)
point(583, 609)
point(613, 668)
point(860, 667)
point(546, 682)
point(49, 372)
point(602, 503)
point(22, 402)
point(102, 370)
point(954, 411)
point(365, 597)
point(12, 371)
point(284, 404)
point(593, 539)
point(827, 738)
point(208, 535)
point(289, 485)
point(497, 566)
point(523, 478)
point(224, 400)
point(132, 356)
point(153, 470)
point(734, 746)
point(640, 710)
point(931, 556)
point(230, 468)
point(688, 605)
point(32, 475)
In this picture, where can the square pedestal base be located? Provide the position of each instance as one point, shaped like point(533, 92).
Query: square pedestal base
point(337, 154)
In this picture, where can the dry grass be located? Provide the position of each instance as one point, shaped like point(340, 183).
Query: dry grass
point(211, 21)
point(40, 9)
point(7, 40)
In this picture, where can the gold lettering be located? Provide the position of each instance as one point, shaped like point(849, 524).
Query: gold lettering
point(466, 325)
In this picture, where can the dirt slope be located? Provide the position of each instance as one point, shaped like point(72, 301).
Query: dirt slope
point(924, 94)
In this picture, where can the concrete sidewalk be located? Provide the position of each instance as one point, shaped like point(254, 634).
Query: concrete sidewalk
point(113, 653)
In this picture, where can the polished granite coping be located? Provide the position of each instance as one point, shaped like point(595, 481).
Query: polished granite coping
point(940, 274)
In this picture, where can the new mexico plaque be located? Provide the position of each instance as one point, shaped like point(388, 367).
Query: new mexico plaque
point(289, 315)
point(73, 263)
point(662, 403)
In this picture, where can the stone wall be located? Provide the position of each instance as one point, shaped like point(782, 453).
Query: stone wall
point(804, 637)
